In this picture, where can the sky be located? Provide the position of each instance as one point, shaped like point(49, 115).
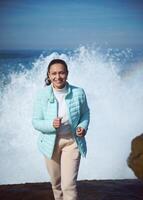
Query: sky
point(45, 24)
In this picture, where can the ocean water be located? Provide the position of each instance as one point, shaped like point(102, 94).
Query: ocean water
point(113, 82)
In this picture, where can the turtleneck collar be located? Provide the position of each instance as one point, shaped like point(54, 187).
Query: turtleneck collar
point(51, 94)
point(62, 90)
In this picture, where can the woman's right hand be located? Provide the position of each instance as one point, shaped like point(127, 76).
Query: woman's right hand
point(57, 122)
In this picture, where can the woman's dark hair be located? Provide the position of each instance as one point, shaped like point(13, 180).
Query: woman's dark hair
point(54, 61)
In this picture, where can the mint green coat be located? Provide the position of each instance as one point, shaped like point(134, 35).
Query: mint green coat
point(45, 111)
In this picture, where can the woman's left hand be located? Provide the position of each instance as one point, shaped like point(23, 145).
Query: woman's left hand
point(80, 132)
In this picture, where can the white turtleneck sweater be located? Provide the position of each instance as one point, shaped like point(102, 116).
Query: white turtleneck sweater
point(62, 110)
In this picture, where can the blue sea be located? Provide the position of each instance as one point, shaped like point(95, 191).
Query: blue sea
point(15, 61)
point(113, 81)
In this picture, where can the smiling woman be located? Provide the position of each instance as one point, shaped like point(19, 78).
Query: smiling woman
point(57, 74)
point(61, 114)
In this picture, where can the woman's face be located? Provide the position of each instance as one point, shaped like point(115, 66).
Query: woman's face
point(58, 75)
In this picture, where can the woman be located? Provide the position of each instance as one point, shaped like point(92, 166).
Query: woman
point(61, 114)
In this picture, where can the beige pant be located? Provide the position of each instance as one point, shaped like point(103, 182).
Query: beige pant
point(63, 168)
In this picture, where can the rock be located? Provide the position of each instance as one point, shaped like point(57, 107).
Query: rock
point(135, 159)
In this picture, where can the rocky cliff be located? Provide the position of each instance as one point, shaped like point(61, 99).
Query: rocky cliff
point(135, 159)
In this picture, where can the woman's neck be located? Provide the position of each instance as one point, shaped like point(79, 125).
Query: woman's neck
point(61, 90)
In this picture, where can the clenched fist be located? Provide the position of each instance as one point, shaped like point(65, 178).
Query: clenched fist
point(80, 132)
point(57, 122)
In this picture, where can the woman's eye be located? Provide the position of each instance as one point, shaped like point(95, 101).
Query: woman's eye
point(62, 73)
point(54, 73)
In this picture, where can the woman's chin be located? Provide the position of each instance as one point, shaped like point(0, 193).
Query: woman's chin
point(59, 85)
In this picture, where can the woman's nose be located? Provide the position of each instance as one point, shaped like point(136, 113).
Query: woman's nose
point(57, 76)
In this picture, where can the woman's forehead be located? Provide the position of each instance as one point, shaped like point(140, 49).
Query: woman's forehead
point(57, 67)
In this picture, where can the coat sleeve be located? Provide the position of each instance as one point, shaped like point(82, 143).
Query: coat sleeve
point(38, 121)
point(85, 113)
